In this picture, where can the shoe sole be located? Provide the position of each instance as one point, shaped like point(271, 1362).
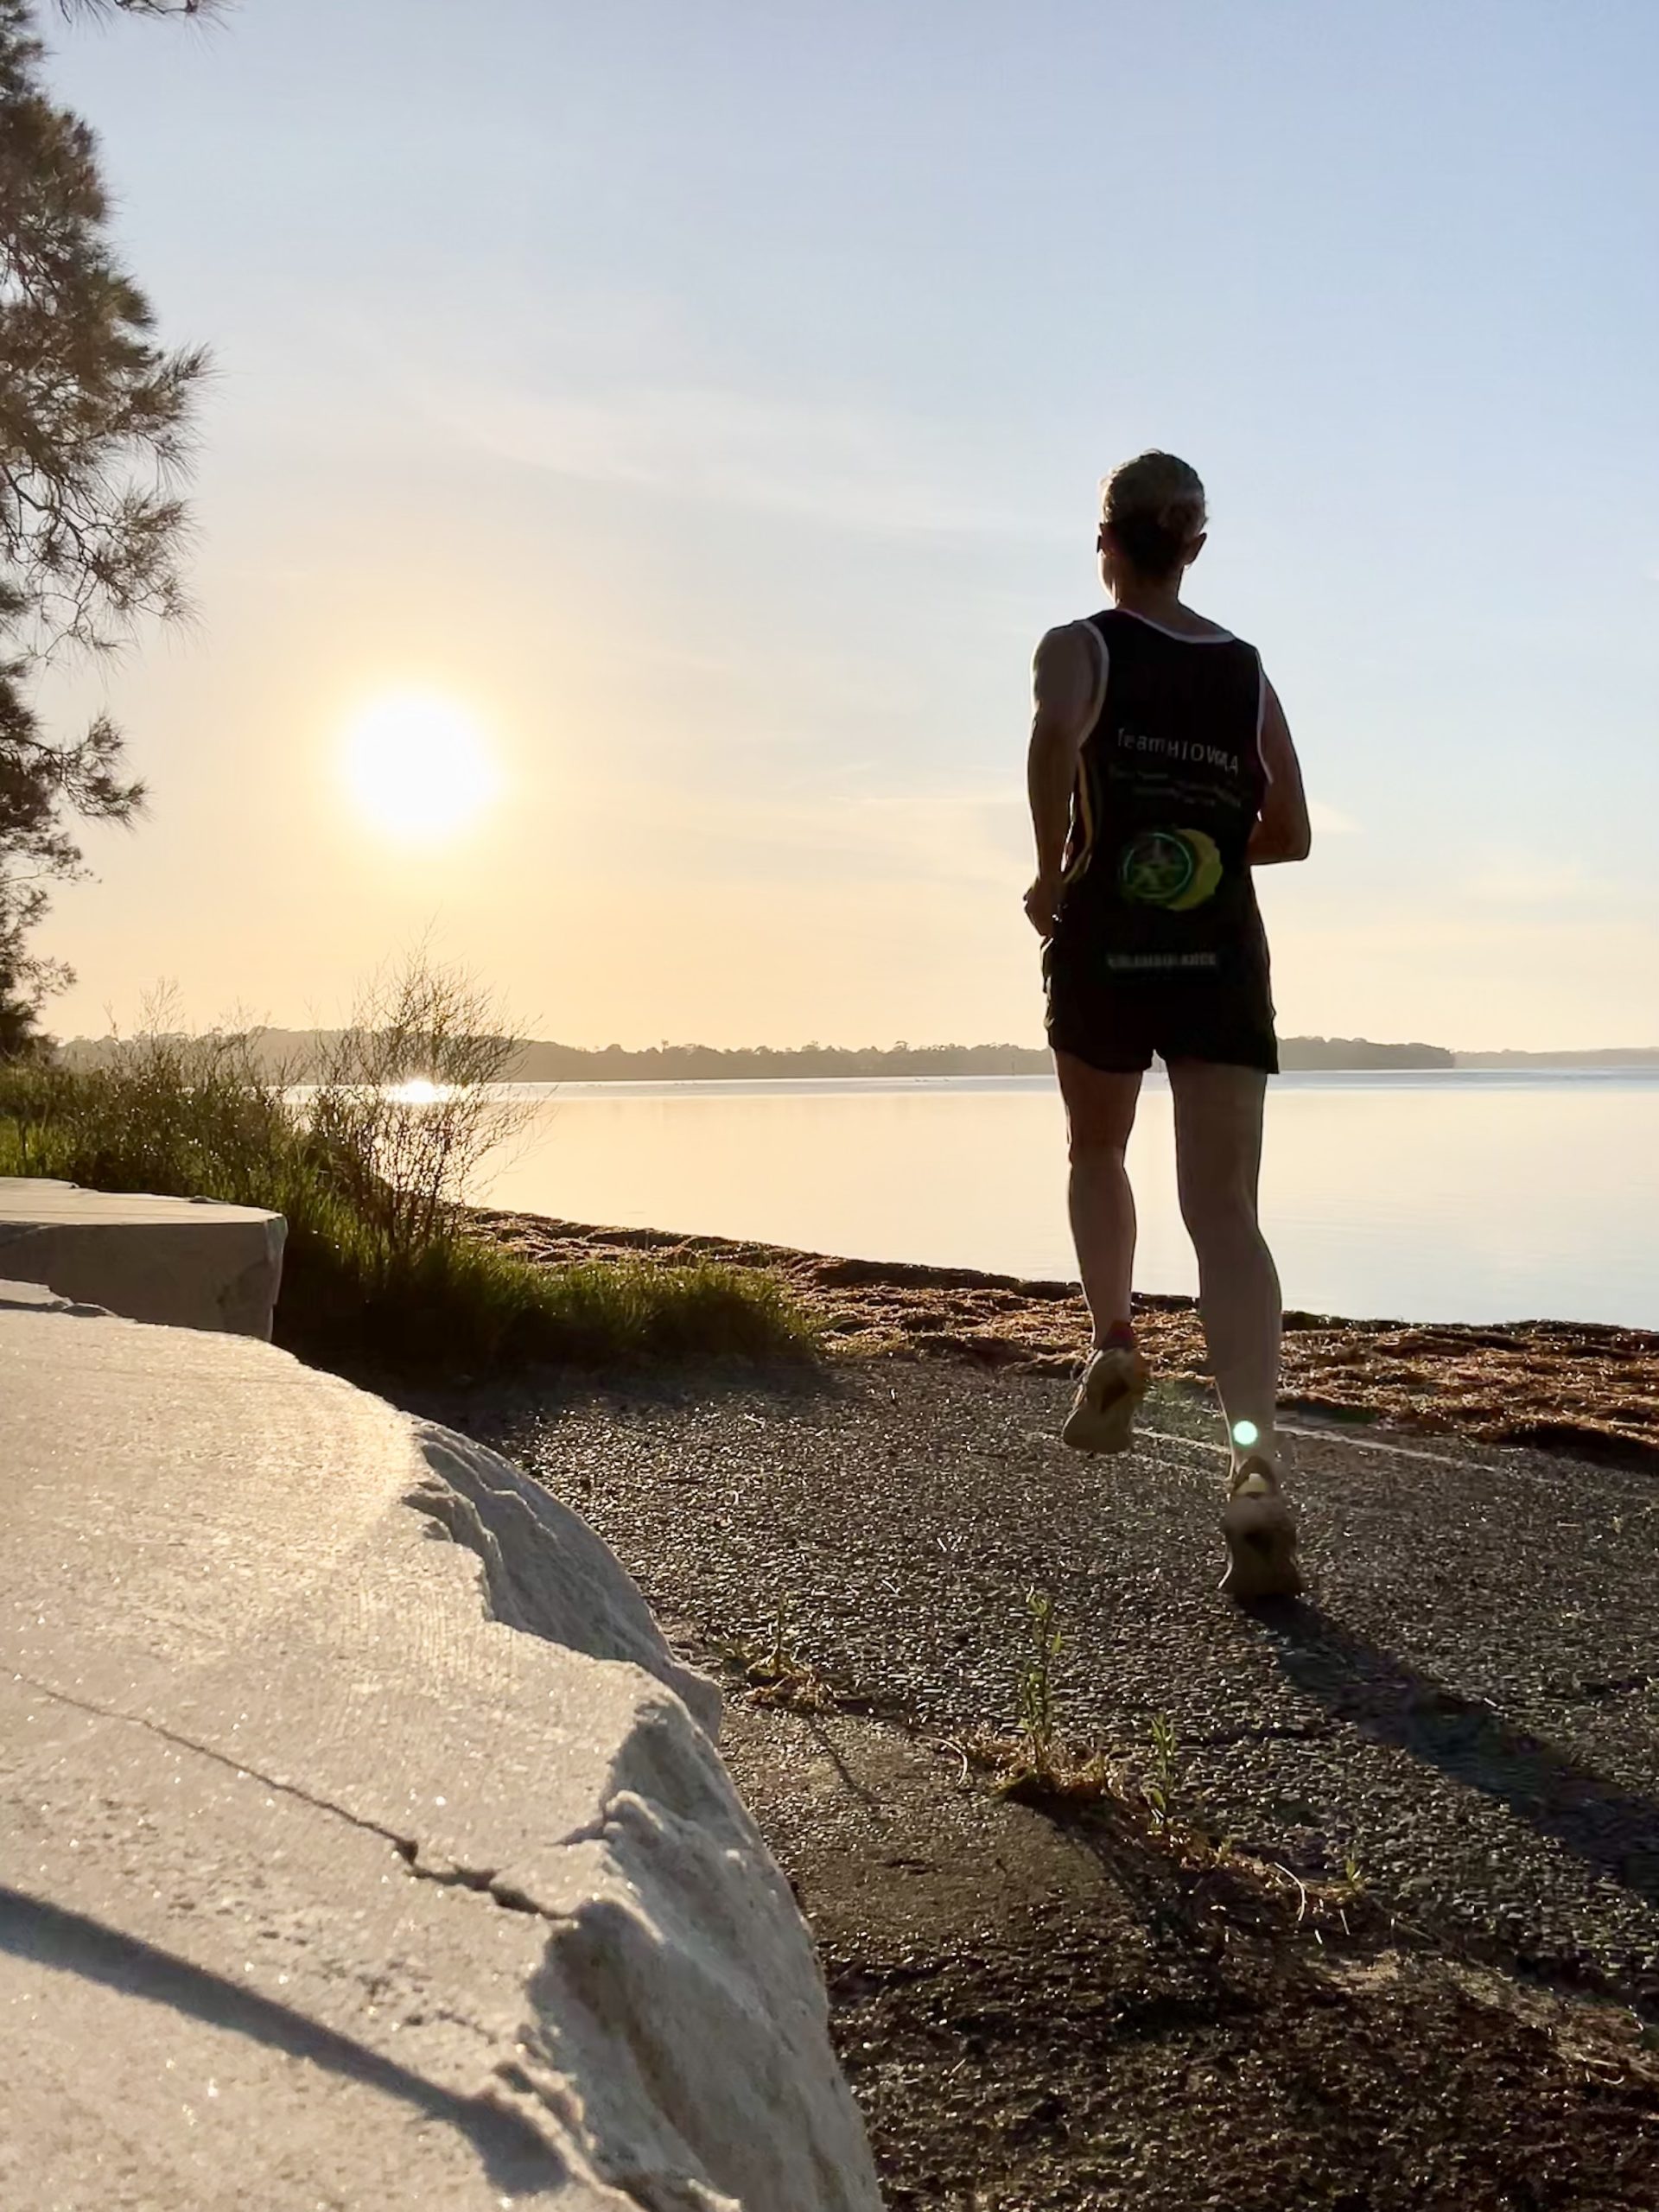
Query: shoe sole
point(1261, 1539)
point(1103, 1428)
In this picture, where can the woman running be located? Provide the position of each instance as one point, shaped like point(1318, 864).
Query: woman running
point(1161, 773)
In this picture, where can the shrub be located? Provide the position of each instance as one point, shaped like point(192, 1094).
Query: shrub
point(369, 1165)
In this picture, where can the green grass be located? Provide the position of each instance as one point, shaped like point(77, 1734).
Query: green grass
point(368, 1285)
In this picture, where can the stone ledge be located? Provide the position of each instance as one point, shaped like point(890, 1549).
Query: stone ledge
point(189, 1263)
point(357, 1818)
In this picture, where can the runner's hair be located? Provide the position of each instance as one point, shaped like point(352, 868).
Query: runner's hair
point(1153, 507)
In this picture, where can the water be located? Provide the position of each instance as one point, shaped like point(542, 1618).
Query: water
point(1439, 1195)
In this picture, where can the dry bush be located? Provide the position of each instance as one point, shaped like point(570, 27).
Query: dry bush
point(410, 1102)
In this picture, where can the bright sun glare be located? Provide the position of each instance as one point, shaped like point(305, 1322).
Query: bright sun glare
point(418, 767)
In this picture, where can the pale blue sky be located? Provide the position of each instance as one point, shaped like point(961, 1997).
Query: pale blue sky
point(712, 401)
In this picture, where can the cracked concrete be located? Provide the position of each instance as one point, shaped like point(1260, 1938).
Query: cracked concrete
point(353, 1811)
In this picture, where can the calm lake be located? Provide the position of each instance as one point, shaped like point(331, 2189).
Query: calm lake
point(1443, 1196)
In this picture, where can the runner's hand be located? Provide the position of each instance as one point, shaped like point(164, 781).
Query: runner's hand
point(1042, 904)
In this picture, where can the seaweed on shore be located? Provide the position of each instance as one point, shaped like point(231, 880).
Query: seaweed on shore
point(1562, 1386)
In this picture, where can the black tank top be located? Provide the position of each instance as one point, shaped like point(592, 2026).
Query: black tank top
point(1170, 785)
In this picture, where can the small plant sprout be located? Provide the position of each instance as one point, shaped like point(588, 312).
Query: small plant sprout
point(1160, 1785)
point(774, 1672)
point(778, 1658)
point(1039, 1764)
point(1036, 1687)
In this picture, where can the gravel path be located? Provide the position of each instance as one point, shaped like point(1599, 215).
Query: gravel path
point(1467, 1709)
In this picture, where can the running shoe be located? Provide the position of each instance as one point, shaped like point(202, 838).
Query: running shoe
point(1101, 1418)
point(1261, 1533)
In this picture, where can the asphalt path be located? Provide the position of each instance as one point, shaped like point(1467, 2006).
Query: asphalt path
point(1464, 1711)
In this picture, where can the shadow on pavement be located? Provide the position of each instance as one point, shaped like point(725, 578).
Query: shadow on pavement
point(514, 2155)
point(1608, 1827)
point(510, 1415)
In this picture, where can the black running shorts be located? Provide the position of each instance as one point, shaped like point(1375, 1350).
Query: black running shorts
point(1117, 1024)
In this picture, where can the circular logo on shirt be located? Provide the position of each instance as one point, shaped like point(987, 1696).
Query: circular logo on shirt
point(1177, 869)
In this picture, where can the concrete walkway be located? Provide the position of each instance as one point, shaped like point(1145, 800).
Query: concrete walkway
point(1466, 1711)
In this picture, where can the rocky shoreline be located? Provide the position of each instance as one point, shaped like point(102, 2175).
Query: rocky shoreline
point(1565, 1386)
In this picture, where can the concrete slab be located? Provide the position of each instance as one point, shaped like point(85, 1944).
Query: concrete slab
point(191, 1263)
point(361, 1840)
point(36, 1298)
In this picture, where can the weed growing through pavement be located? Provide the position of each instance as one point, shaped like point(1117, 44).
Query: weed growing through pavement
point(1036, 1692)
point(773, 1673)
point(1041, 1767)
point(1158, 1784)
point(1038, 1764)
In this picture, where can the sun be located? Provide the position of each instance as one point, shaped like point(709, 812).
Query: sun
point(418, 768)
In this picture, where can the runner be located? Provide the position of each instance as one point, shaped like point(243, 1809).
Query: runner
point(1161, 773)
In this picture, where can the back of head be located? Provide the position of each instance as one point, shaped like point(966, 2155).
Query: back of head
point(1153, 508)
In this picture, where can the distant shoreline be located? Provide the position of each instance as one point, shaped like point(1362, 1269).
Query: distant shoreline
point(292, 1053)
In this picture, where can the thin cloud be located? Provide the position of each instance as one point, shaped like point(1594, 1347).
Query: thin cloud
point(1330, 821)
point(1527, 879)
point(840, 466)
point(962, 834)
point(1560, 893)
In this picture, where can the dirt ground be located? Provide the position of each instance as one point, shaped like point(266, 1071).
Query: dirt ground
point(1043, 2016)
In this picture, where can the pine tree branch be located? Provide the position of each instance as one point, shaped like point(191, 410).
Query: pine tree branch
point(140, 7)
point(95, 429)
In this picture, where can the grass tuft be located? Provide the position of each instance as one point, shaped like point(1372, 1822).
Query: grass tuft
point(1083, 1785)
point(773, 1673)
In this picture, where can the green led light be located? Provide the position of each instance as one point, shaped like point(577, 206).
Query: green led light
point(1245, 1433)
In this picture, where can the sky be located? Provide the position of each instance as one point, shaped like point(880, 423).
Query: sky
point(707, 405)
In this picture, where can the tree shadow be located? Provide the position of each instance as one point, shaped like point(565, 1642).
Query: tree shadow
point(871, 1801)
point(1610, 1828)
point(515, 2158)
point(505, 1410)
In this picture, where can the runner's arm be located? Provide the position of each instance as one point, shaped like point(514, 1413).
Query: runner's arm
point(1063, 681)
point(1283, 831)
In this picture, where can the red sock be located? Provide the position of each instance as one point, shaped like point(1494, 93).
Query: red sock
point(1119, 1338)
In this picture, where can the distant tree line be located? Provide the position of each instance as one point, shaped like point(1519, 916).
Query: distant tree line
point(296, 1053)
point(665, 1062)
point(711, 1064)
point(1360, 1052)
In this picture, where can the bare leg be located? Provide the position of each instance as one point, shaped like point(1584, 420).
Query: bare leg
point(1100, 1114)
point(1218, 1161)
